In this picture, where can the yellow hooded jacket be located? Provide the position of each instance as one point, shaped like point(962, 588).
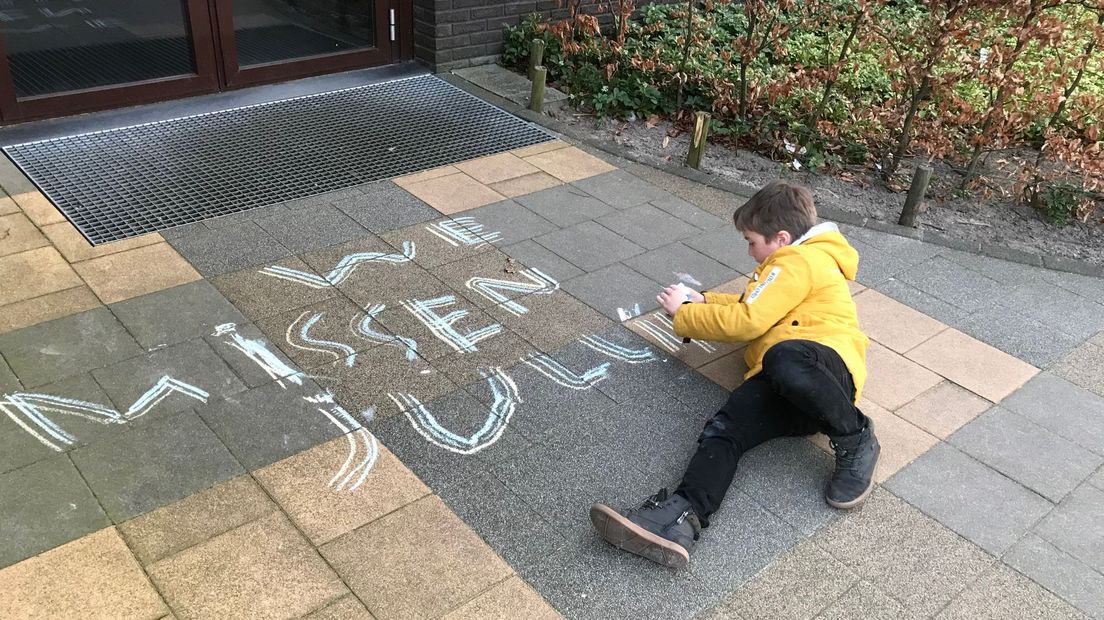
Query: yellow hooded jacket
point(799, 293)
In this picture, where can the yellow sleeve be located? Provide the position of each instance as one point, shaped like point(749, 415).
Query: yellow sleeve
point(720, 298)
point(785, 283)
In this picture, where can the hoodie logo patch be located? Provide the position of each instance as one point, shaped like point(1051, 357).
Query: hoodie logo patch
point(771, 277)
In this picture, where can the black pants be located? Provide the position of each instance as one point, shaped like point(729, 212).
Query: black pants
point(804, 388)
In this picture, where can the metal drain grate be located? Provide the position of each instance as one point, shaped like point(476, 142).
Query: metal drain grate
point(135, 180)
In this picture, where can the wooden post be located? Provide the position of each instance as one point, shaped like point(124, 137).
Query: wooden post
point(536, 96)
point(698, 140)
point(916, 192)
point(536, 56)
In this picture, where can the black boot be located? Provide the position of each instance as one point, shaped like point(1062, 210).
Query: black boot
point(856, 456)
point(662, 529)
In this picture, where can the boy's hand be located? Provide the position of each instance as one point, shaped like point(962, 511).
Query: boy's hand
point(677, 294)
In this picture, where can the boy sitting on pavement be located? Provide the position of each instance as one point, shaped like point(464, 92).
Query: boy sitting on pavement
point(807, 361)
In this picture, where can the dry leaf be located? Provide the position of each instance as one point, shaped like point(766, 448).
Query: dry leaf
point(652, 121)
point(511, 266)
point(666, 141)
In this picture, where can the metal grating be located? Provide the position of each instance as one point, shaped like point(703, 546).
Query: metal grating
point(134, 180)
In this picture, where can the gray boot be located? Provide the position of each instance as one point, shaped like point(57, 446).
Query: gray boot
point(856, 457)
point(662, 529)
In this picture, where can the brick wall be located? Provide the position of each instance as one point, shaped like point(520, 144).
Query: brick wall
point(450, 34)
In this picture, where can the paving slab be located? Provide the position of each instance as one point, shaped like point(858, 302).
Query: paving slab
point(943, 409)
point(502, 351)
point(496, 268)
point(47, 308)
point(648, 226)
point(970, 498)
point(512, 597)
point(382, 207)
point(919, 300)
point(310, 229)
point(1027, 453)
point(1003, 593)
point(256, 214)
point(621, 189)
point(345, 608)
point(393, 287)
point(176, 314)
point(1079, 367)
point(250, 370)
point(19, 234)
point(454, 193)
point(229, 249)
point(877, 266)
point(963, 288)
point(726, 246)
point(1077, 526)
point(320, 333)
point(867, 602)
point(569, 164)
point(8, 381)
point(496, 168)
point(615, 287)
point(728, 371)
point(907, 249)
point(1086, 286)
point(564, 205)
point(551, 321)
point(901, 442)
point(1054, 306)
point(1062, 407)
point(154, 465)
point(378, 372)
point(589, 245)
point(976, 366)
point(687, 212)
point(444, 240)
point(258, 295)
point(658, 328)
point(787, 476)
point(1002, 271)
point(893, 324)
point(532, 254)
point(677, 262)
point(46, 504)
point(1034, 342)
point(511, 221)
point(1060, 573)
point(893, 379)
point(422, 318)
point(39, 272)
point(528, 184)
point(140, 271)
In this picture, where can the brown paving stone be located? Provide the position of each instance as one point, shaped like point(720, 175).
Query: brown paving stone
point(866, 602)
point(728, 371)
point(92, 577)
point(520, 186)
point(301, 484)
point(18, 234)
point(75, 248)
point(47, 308)
point(893, 324)
point(258, 295)
point(655, 327)
point(901, 442)
point(944, 409)
point(34, 273)
point(425, 175)
point(417, 562)
point(893, 380)
point(264, 569)
point(553, 320)
point(345, 608)
point(140, 271)
point(974, 365)
point(377, 372)
point(1004, 593)
point(169, 530)
point(512, 598)
point(7, 205)
point(496, 168)
point(543, 147)
point(855, 287)
point(38, 208)
point(453, 193)
point(569, 164)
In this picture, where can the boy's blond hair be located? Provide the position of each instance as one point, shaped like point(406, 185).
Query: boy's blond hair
point(778, 206)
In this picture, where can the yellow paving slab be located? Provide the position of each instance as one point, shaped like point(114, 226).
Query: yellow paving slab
point(345, 608)
point(892, 323)
point(33, 273)
point(976, 366)
point(75, 248)
point(569, 164)
point(47, 308)
point(944, 409)
point(496, 168)
point(543, 147)
point(656, 327)
point(143, 270)
point(19, 234)
point(262, 569)
point(855, 287)
point(195, 519)
point(512, 598)
point(728, 371)
point(301, 484)
point(453, 193)
point(417, 562)
point(7, 205)
point(92, 577)
point(425, 175)
point(520, 186)
point(894, 380)
point(38, 208)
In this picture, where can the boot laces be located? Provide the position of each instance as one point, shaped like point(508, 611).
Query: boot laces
point(845, 458)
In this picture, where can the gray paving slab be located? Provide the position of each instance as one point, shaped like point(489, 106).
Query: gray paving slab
point(551, 321)
point(501, 351)
point(903, 248)
point(1004, 593)
point(258, 295)
point(474, 326)
point(494, 265)
point(864, 601)
point(1054, 306)
point(269, 423)
point(677, 262)
point(725, 246)
point(8, 381)
point(384, 206)
point(1098, 479)
point(564, 205)
point(184, 230)
point(192, 363)
point(46, 504)
point(532, 254)
point(787, 476)
point(68, 346)
point(1064, 408)
point(718, 202)
point(648, 226)
point(432, 250)
point(215, 252)
point(876, 266)
point(1086, 286)
point(255, 214)
point(154, 465)
point(1005, 328)
point(1081, 367)
point(1006, 272)
point(313, 228)
point(390, 288)
point(589, 245)
point(335, 196)
point(687, 212)
point(621, 189)
point(1060, 573)
point(698, 392)
point(512, 222)
point(378, 372)
point(1077, 526)
point(251, 368)
point(319, 333)
point(960, 287)
point(614, 287)
point(904, 553)
point(1026, 452)
point(919, 300)
point(176, 314)
point(968, 497)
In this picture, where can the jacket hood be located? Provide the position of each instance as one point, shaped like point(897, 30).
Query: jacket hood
point(827, 238)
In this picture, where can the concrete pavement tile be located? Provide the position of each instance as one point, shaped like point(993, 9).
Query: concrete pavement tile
point(382, 206)
point(502, 351)
point(19, 235)
point(417, 562)
point(445, 240)
point(258, 295)
point(564, 205)
point(974, 365)
point(254, 214)
point(38, 208)
point(1027, 453)
point(961, 287)
point(47, 308)
point(391, 288)
point(1027, 339)
point(893, 324)
point(93, 577)
point(797, 585)
point(970, 498)
point(589, 245)
point(1004, 593)
point(495, 168)
point(251, 371)
point(229, 249)
point(67, 346)
point(311, 229)
point(493, 265)
point(615, 287)
point(895, 380)
point(1060, 573)
point(787, 477)
point(1062, 407)
point(552, 320)
point(231, 574)
point(1086, 286)
point(569, 164)
point(697, 391)
point(648, 226)
point(269, 423)
point(901, 442)
point(943, 409)
point(528, 184)
point(421, 316)
point(46, 504)
point(877, 266)
point(8, 381)
point(511, 598)
point(154, 465)
point(543, 147)
point(1077, 526)
point(728, 371)
point(336, 487)
point(909, 249)
point(1098, 479)
point(75, 248)
point(687, 212)
point(136, 272)
point(1082, 367)
point(1000, 270)
point(39, 272)
point(511, 221)
point(7, 205)
point(176, 314)
point(454, 193)
point(677, 262)
point(718, 202)
point(1056, 308)
point(915, 298)
point(377, 373)
point(904, 553)
point(197, 518)
point(855, 287)
point(867, 602)
point(657, 328)
point(531, 254)
point(425, 175)
point(725, 246)
point(620, 189)
point(320, 333)
point(345, 608)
